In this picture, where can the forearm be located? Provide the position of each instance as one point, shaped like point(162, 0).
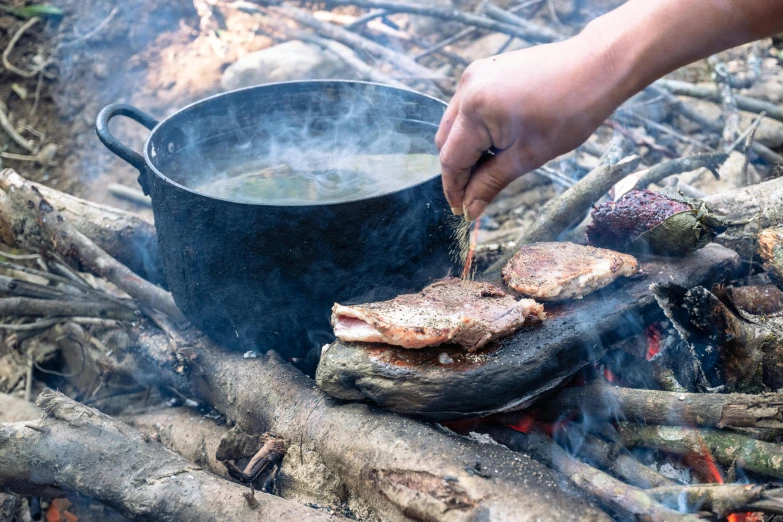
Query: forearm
point(646, 39)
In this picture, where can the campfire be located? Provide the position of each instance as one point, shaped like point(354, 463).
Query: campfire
point(230, 338)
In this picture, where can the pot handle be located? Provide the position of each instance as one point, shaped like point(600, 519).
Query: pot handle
point(114, 145)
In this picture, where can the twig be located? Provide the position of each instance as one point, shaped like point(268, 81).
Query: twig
point(31, 307)
point(20, 257)
point(665, 169)
point(444, 43)
point(11, 131)
point(367, 17)
point(46, 323)
point(721, 76)
point(544, 34)
point(728, 448)
point(668, 130)
point(744, 103)
point(621, 497)
point(92, 32)
point(721, 499)
point(528, 31)
point(10, 47)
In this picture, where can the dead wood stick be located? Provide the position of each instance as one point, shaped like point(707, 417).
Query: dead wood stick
point(665, 169)
point(528, 31)
point(128, 194)
point(603, 400)
point(771, 251)
point(744, 103)
point(509, 17)
point(568, 208)
point(729, 110)
point(721, 499)
point(81, 449)
point(129, 238)
point(629, 500)
point(26, 306)
point(356, 442)
point(760, 205)
point(728, 448)
point(46, 228)
point(356, 42)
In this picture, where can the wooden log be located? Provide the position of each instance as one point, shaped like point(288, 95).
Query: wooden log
point(129, 238)
point(603, 400)
point(771, 251)
point(628, 500)
point(728, 448)
point(45, 229)
point(761, 206)
point(515, 372)
point(80, 449)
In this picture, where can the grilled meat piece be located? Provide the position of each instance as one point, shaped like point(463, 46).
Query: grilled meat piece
point(451, 310)
point(559, 271)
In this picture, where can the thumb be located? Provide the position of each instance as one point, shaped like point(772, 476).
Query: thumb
point(489, 179)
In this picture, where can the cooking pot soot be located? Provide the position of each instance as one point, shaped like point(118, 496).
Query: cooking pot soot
point(274, 202)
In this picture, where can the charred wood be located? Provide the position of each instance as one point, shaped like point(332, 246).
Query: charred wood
point(620, 497)
point(728, 448)
point(602, 400)
point(80, 449)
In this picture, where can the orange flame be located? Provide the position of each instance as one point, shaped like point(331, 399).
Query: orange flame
point(469, 258)
point(610, 376)
point(653, 342)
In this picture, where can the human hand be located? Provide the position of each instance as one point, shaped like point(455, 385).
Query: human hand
point(529, 106)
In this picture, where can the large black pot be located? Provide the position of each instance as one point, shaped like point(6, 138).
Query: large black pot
point(264, 276)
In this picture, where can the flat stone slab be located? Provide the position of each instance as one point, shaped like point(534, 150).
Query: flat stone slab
point(515, 371)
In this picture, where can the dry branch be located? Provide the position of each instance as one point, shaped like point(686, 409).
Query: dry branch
point(570, 207)
point(26, 306)
point(603, 400)
point(528, 31)
point(727, 448)
point(665, 169)
point(721, 499)
point(81, 449)
point(130, 239)
point(628, 500)
point(744, 103)
point(46, 229)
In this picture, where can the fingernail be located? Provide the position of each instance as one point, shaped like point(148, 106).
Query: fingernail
point(456, 211)
point(475, 209)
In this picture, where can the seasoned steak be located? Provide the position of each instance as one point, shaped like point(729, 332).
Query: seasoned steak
point(559, 271)
point(468, 313)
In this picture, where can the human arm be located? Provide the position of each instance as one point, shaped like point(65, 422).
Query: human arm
point(538, 103)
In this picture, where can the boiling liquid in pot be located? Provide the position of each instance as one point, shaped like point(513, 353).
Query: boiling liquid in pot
point(304, 181)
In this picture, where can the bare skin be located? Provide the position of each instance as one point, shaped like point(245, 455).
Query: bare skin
point(533, 105)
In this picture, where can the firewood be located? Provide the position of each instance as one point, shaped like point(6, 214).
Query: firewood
point(659, 172)
point(627, 500)
point(771, 251)
point(728, 448)
point(602, 400)
point(722, 499)
point(761, 206)
point(520, 368)
point(129, 238)
point(81, 449)
point(45, 228)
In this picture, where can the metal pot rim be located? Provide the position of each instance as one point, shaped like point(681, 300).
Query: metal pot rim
point(148, 149)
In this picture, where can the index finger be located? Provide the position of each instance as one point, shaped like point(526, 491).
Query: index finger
point(464, 145)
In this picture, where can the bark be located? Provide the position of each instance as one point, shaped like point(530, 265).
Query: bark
point(81, 449)
point(571, 206)
point(728, 448)
point(771, 251)
point(519, 369)
point(44, 228)
point(721, 499)
point(603, 400)
point(129, 238)
point(627, 500)
point(760, 205)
